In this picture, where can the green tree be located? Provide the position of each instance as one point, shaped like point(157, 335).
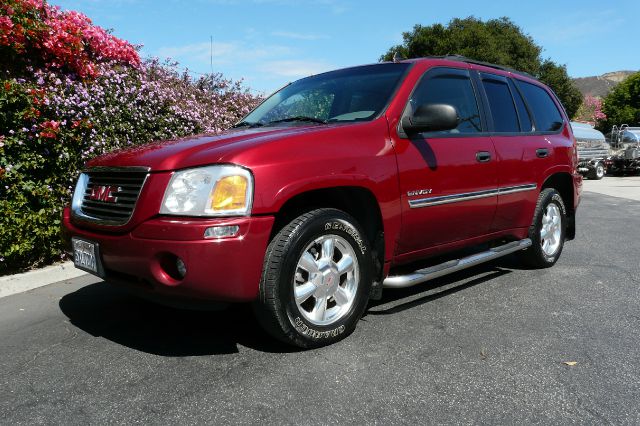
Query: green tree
point(498, 41)
point(556, 77)
point(622, 104)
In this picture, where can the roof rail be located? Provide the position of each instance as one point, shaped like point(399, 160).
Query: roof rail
point(486, 64)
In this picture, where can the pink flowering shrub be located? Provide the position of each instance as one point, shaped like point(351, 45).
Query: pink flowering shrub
point(591, 110)
point(59, 39)
point(70, 91)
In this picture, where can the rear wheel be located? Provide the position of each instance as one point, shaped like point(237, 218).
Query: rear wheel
point(548, 230)
point(598, 172)
point(316, 279)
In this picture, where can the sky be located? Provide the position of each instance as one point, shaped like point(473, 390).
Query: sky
point(269, 43)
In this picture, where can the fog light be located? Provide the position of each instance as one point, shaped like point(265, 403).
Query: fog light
point(181, 267)
point(221, 231)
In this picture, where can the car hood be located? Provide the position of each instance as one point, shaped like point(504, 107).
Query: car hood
point(202, 149)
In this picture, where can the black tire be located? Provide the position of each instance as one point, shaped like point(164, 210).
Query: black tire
point(276, 308)
point(536, 256)
point(598, 172)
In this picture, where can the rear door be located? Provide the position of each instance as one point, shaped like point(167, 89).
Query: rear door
point(523, 132)
point(447, 179)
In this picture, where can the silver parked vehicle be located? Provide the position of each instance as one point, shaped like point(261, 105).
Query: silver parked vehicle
point(625, 141)
point(593, 150)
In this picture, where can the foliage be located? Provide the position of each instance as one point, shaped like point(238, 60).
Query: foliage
point(497, 41)
point(556, 77)
point(54, 117)
point(622, 104)
point(591, 110)
point(57, 39)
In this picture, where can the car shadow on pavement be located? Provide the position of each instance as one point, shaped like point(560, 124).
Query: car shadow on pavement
point(106, 311)
point(401, 299)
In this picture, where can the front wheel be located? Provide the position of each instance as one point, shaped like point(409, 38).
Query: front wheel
point(316, 279)
point(548, 230)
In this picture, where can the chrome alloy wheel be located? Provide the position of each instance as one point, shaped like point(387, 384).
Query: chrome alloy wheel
point(326, 280)
point(551, 230)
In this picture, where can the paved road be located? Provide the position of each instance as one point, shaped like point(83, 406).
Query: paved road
point(483, 346)
point(626, 187)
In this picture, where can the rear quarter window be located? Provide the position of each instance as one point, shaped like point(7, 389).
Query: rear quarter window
point(523, 113)
point(546, 115)
point(503, 110)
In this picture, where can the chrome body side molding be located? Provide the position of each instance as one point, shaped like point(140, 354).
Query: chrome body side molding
point(457, 198)
point(518, 188)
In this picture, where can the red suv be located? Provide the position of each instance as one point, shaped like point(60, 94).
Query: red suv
point(334, 187)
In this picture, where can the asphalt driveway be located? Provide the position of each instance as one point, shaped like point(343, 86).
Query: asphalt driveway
point(487, 345)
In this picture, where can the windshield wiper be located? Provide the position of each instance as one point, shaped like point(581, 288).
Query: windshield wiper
point(299, 118)
point(246, 124)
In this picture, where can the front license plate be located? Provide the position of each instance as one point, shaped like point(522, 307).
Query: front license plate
point(85, 256)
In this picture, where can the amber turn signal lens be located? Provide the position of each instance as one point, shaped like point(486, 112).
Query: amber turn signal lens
point(229, 194)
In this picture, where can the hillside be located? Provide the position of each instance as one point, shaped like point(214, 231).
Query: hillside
point(601, 85)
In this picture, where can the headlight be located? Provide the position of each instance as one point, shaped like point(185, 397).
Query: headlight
point(209, 191)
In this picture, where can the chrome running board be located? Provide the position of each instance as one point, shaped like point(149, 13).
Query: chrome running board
point(426, 274)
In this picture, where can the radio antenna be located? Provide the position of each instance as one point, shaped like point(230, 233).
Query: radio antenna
point(211, 60)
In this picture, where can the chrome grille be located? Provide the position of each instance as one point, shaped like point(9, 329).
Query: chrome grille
point(120, 189)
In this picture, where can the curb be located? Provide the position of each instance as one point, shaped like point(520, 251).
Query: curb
point(19, 283)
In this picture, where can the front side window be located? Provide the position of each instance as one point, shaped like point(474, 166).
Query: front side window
point(503, 110)
point(546, 115)
point(453, 87)
point(352, 94)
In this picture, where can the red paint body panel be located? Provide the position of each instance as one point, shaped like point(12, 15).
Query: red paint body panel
point(450, 169)
point(225, 269)
point(517, 233)
point(289, 161)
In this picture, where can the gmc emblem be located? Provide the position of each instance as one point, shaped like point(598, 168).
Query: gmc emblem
point(106, 194)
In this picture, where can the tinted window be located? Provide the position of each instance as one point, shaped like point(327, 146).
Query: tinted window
point(545, 113)
point(352, 94)
point(314, 103)
point(503, 111)
point(525, 121)
point(453, 88)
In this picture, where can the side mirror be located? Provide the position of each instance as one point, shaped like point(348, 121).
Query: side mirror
point(431, 118)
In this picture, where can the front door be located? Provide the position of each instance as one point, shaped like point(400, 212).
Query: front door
point(448, 179)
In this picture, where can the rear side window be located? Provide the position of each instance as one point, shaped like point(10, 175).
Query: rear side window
point(453, 87)
point(503, 110)
point(525, 120)
point(545, 113)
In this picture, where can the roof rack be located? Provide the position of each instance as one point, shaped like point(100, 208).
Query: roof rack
point(461, 58)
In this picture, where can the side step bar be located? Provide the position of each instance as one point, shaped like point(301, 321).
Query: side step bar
point(426, 274)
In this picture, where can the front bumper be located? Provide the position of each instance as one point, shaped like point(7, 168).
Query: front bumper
point(224, 269)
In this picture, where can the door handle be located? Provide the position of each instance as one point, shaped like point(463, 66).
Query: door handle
point(483, 156)
point(542, 152)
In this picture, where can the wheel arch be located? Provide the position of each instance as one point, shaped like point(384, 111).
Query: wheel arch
point(357, 201)
point(563, 183)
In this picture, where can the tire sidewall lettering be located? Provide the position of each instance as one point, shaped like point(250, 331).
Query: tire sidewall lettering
point(559, 202)
point(304, 329)
point(339, 225)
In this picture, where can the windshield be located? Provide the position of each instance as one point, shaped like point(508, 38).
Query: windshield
point(352, 94)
